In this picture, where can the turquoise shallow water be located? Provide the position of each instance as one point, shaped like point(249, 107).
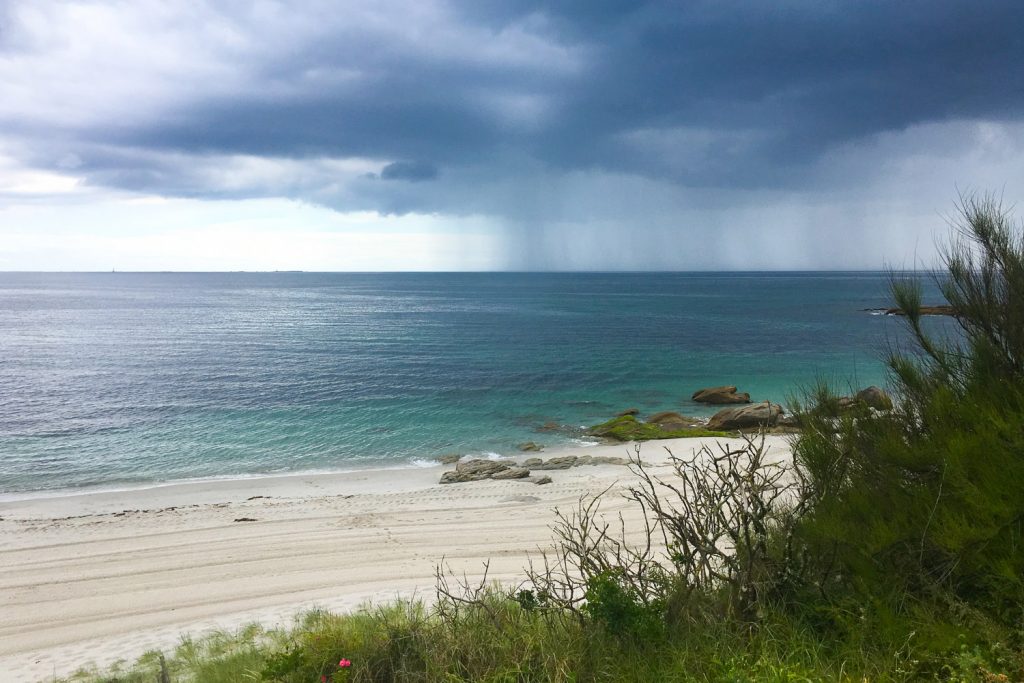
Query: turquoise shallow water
point(114, 378)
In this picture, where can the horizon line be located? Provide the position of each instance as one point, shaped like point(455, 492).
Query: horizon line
point(458, 272)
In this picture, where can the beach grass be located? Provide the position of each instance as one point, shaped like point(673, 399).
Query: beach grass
point(501, 641)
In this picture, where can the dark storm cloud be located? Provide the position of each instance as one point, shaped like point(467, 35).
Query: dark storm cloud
point(412, 171)
point(704, 94)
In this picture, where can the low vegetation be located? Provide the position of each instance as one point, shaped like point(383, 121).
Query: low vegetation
point(890, 549)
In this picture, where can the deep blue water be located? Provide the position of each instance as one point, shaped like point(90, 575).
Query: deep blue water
point(108, 378)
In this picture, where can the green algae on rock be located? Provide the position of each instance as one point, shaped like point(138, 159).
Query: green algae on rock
point(628, 428)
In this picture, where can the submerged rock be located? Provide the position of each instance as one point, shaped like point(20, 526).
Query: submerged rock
point(448, 458)
point(747, 417)
point(629, 411)
point(720, 396)
point(530, 446)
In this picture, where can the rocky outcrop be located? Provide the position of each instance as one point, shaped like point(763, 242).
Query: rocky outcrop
point(530, 446)
point(671, 421)
point(512, 473)
point(474, 470)
point(942, 309)
point(480, 469)
point(872, 397)
point(752, 416)
point(629, 411)
point(720, 396)
point(608, 460)
point(561, 462)
point(448, 459)
point(875, 398)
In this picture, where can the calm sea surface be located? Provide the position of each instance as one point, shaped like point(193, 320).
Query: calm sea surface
point(112, 379)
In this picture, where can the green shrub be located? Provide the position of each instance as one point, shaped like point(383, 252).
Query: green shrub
point(925, 503)
point(622, 611)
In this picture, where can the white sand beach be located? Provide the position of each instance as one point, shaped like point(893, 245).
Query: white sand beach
point(100, 576)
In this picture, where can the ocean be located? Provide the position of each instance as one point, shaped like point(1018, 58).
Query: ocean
point(115, 379)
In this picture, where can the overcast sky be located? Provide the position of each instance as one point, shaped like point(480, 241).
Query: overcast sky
point(487, 135)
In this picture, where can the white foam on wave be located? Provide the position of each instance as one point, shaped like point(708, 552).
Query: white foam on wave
point(423, 462)
point(491, 455)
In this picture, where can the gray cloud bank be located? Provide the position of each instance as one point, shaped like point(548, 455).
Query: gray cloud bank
point(598, 133)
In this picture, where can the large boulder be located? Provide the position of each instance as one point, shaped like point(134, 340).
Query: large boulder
point(746, 417)
point(872, 397)
point(875, 398)
point(720, 396)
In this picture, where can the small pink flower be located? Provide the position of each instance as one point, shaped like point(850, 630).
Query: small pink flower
point(344, 664)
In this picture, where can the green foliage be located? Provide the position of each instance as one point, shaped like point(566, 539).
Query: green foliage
point(622, 610)
point(628, 428)
point(499, 642)
point(925, 503)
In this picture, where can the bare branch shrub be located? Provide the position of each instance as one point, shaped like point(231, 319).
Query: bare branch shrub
point(586, 548)
point(720, 524)
point(723, 516)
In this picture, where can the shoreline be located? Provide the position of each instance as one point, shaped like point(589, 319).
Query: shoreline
point(411, 463)
point(105, 576)
point(14, 500)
